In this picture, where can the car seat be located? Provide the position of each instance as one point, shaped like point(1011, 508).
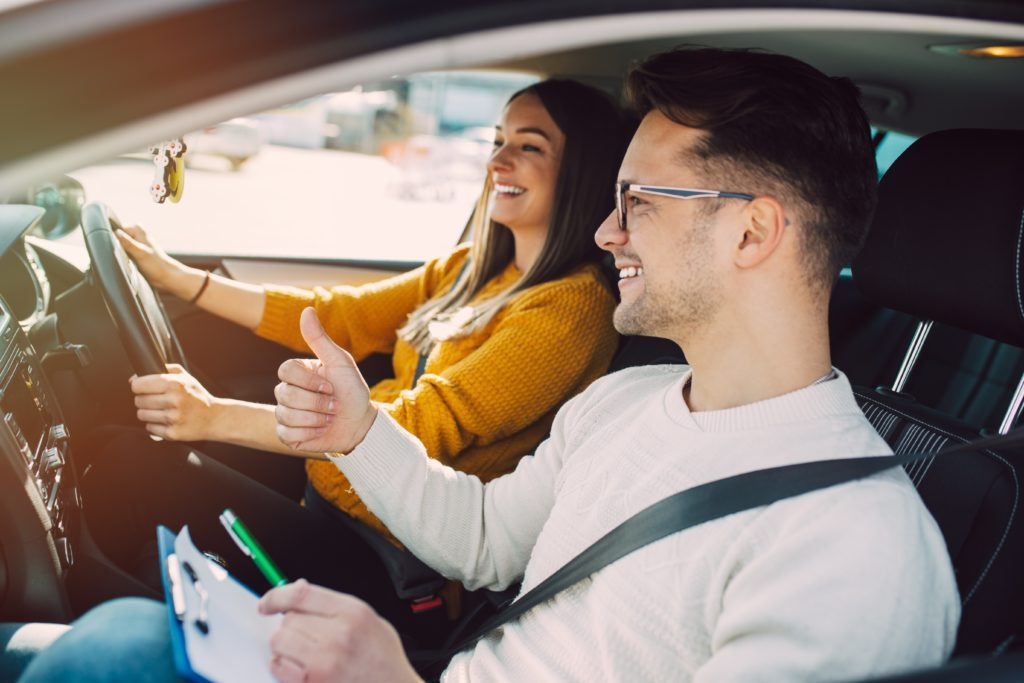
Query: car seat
point(945, 247)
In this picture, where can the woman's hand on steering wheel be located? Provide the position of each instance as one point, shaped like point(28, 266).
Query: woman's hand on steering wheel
point(162, 271)
point(142, 323)
point(174, 405)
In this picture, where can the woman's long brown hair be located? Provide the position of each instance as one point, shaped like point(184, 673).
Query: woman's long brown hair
point(596, 133)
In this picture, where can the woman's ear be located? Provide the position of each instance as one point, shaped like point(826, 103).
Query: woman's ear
point(764, 223)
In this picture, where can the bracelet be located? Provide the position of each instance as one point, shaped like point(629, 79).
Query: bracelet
point(202, 288)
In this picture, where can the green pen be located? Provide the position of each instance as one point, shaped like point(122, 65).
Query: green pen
point(248, 544)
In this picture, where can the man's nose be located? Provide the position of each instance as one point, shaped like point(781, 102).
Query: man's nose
point(609, 235)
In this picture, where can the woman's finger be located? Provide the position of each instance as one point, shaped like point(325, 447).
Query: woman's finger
point(155, 401)
point(161, 417)
point(152, 384)
point(130, 244)
point(158, 430)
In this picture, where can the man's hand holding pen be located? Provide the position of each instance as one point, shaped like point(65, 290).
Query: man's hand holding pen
point(331, 636)
point(323, 404)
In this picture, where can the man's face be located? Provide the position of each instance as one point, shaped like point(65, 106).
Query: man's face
point(669, 267)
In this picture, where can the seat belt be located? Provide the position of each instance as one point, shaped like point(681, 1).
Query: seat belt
point(401, 563)
point(700, 504)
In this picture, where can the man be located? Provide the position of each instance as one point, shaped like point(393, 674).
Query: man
point(748, 184)
point(842, 583)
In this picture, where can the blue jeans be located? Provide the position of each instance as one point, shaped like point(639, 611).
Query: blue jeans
point(121, 640)
point(19, 643)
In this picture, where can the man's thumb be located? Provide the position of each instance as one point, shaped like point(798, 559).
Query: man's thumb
point(319, 343)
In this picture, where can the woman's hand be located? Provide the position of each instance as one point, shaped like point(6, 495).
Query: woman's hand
point(323, 404)
point(330, 636)
point(174, 405)
point(162, 271)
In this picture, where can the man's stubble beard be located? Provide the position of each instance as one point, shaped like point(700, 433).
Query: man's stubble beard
point(689, 299)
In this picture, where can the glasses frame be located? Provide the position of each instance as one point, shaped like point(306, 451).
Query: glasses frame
point(674, 192)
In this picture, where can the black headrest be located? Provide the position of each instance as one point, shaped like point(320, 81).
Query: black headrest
point(946, 242)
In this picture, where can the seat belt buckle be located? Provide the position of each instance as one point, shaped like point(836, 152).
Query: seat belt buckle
point(426, 604)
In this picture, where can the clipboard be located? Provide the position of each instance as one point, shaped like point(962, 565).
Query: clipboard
point(170, 573)
point(234, 645)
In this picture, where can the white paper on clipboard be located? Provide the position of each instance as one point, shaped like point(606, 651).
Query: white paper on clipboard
point(236, 648)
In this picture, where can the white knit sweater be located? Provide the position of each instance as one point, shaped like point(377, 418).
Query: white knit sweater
point(836, 584)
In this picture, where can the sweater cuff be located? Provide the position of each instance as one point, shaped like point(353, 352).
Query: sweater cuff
point(281, 309)
point(387, 450)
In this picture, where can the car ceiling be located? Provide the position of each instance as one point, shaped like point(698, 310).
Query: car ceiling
point(81, 91)
point(905, 85)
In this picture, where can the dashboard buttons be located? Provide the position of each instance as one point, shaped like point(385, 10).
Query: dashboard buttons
point(59, 433)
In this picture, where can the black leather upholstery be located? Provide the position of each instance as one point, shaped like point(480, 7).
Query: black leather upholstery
point(948, 234)
point(946, 245)
point(976, 500)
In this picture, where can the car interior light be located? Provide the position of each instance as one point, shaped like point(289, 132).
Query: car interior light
point(981, 51)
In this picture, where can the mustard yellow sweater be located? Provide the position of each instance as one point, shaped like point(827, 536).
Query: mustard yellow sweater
point(484, 400)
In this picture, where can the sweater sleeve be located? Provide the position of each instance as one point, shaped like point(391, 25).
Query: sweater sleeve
point(538, 353)
point(363, 320)
point(417, 498)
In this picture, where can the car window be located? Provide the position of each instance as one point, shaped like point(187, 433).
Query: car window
point(388, 170)
point(888, 149)
point(889, 144)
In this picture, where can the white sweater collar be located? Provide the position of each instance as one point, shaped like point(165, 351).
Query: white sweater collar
point(831, 398)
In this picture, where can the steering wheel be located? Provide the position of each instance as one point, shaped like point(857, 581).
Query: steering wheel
point(138, 313)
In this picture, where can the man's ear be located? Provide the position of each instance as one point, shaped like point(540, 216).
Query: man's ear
point(764, 223)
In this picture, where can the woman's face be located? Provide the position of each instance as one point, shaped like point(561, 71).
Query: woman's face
point(524, 165)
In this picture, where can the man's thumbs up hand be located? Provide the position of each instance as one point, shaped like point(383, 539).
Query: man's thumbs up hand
point(323, 404)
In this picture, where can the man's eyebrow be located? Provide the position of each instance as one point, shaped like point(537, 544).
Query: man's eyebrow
point(530, 129)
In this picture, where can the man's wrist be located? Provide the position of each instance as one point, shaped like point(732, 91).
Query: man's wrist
point(366, 424)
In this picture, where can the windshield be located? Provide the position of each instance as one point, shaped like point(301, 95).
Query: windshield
point(389, 170)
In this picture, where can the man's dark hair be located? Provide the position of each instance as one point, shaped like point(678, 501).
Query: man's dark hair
point(773, 125)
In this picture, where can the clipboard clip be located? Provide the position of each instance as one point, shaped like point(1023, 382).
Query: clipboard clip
point(202, 620)
point(177, 592)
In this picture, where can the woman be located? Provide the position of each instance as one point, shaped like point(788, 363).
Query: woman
point(510, 327)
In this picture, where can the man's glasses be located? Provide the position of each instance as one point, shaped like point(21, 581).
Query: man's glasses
point(676, 192)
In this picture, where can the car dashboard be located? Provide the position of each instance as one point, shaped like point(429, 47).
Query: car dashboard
point(35, 430)
point(39, 518)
